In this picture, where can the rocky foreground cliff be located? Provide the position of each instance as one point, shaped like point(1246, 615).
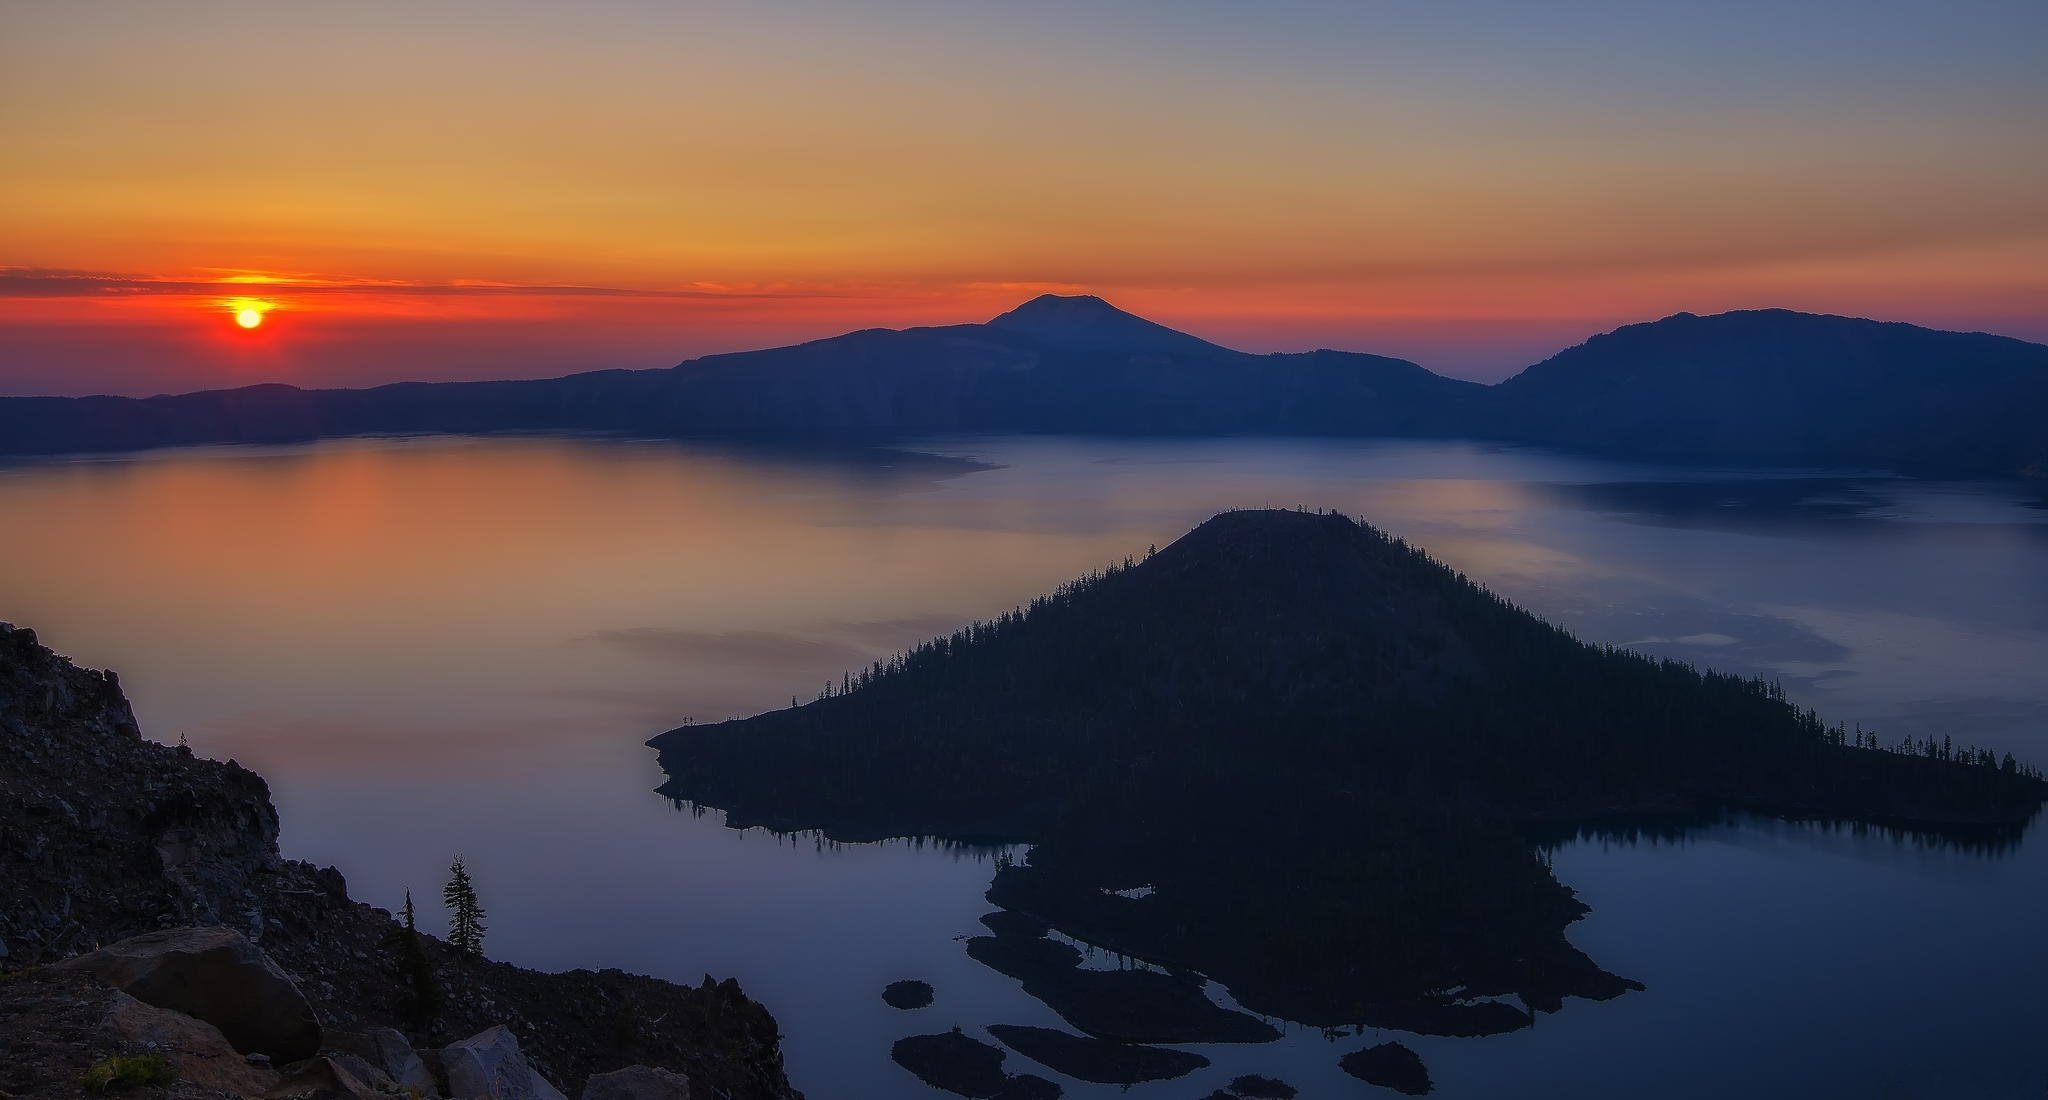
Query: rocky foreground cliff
point(106, 837)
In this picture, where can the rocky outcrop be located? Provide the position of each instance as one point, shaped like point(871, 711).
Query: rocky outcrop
point(105, 836)
point(216, 975)
point(637, 1083)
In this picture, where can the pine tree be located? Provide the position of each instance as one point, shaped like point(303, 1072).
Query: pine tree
point(465, 913)
point(422, 998)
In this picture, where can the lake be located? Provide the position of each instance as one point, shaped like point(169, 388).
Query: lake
point(442, 646)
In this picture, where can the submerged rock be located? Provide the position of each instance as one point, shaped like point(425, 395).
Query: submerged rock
point(489, 1066)
point(217, 976)
point(907, 994)
point(1389, 1065)
point(637, 1083)
point(1097, 1060)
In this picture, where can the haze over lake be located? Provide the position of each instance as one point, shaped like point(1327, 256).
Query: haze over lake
point(434, 646)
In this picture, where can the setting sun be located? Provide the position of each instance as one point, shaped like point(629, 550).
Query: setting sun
point(248, 312)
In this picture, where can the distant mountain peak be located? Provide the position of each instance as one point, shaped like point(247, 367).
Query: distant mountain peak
point(1085, 321)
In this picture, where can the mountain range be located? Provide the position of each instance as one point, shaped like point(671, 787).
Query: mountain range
point(1764, 387)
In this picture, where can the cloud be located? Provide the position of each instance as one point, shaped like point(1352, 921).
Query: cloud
point(896, 633)
point(1689, 639)
point(299, 746)
point(36, 282)
point(751, 648)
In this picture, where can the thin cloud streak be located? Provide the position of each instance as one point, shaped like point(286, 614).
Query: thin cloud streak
point(57, 283)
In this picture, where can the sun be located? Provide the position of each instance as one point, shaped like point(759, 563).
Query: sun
point(248, 313)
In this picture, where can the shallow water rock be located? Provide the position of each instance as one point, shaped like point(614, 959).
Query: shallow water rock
point(637, 1083)
point(954, 1062)
point(1020, 958)
point(488, 1066)
point(1144, 1006)
point(907, 994)
point(1027, 1086)
point(1252, 1086)
point(1009, 922)
point(1097, 1060)
point(1389, 1065)
point(1456, 1019)
point(217, 976)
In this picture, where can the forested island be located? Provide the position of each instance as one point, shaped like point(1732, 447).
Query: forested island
point(1299, 756)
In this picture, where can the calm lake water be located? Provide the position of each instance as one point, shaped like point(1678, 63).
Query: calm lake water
point(443, 646)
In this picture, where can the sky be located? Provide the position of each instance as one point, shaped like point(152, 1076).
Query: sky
point(510, 189)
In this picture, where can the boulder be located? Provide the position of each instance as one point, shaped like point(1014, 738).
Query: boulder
point(637, 1083)
point(389, 1052)
point(217, 976)
point(488, 1066)
point(202, 1055)
point(326, 1078)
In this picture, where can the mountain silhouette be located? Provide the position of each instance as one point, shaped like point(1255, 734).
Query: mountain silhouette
point(1763, 387)
point(1777, 387)
point(1322, 752)
point(1086, 322)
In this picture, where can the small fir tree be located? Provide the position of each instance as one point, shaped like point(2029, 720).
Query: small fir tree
point(421, 1005)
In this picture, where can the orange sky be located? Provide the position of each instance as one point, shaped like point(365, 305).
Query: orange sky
point(465, 190)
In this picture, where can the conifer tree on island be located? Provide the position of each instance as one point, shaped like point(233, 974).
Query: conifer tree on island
point(465, 913)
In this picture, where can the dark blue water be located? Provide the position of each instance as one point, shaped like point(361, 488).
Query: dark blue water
point(442, 646)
